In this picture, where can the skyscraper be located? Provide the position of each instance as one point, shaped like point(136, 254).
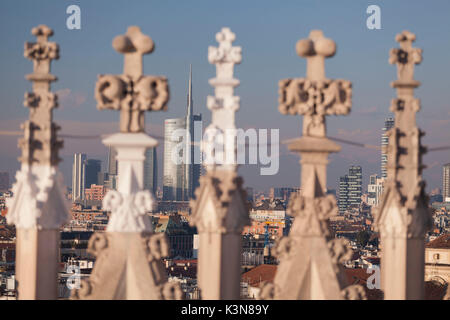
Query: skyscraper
point(343, 194)
point(354, 185)
point(112, 161)
point(375, 190)
point(173, 186)
point(446, 182)
point(92, 169)
point(350, 189)
point(181, 179)
point(150, 170)
point(388, 124)
point(78, 176)
point(193, 167)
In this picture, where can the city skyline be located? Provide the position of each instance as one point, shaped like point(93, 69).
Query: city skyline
point(357, 46)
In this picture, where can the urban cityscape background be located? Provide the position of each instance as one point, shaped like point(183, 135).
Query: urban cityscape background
point(357, 175)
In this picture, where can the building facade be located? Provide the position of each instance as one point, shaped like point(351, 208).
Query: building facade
point(92, 169)
point(343, 194)
point(150, 170)
point(78, 176)
point(375, 190)
point(354, 185)
point(446, 182)
point(173, 179)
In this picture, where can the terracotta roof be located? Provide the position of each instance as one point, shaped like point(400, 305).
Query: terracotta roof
point(442, 242)
point(263, 272)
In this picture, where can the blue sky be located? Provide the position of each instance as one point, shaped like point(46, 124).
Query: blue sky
point(267, 32)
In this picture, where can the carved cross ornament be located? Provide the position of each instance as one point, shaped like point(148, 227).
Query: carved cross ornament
point(40, 143)
point(220, 134)
point(315, 96)
point(405, 57)
point(132, 93)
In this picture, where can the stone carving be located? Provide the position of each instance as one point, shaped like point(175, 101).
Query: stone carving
point(132, 93)
point(39, 200)
point(316, 96)
point(129, 211)
point(354, 292)
point(311, 263)
point(38, 207)
point(140, 278)
point(33, 192)
point(219, 211)
point(222, 188)
point(129, 264)
point(403, 217)
point(225, 57)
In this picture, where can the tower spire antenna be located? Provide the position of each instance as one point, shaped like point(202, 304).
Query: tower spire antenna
point(190, 102)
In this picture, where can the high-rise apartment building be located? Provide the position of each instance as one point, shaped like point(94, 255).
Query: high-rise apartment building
point(354, 185)
point(181, 178)
point(173, 179)
point(375, 190)
point(343, 194)
point(446, 182)
point(78, 176)
point(112, 161)
point(350, 189)
point(388, 124)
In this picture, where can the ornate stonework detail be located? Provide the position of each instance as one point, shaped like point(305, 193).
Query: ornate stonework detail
point(340, 252)
point(405, 57)
point(42, 49)
point(40, 129)
point(118, 257)
point(129, 257)
point(33, 191)
point(354, 292)
point(403, 217)
point(132, 93)
point(315, 96)
point(266, 291)
point(283, 248)
point(308, 256)
point(314, 100)
point(314, 213)
point(224, 104)
point(225, 56)
point(39, 199)
point(220, 209)
point(222, 189)
point(128, 211)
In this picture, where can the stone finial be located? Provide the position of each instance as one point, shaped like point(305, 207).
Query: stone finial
point(132, 93)
point(224, 104)
point(225, 56)
point(40, 143)
point(133, 45)
point(315, 49)
point(405, 57)
point(315, 96)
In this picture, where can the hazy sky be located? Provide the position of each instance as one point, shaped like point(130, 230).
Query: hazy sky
point(267, 31)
